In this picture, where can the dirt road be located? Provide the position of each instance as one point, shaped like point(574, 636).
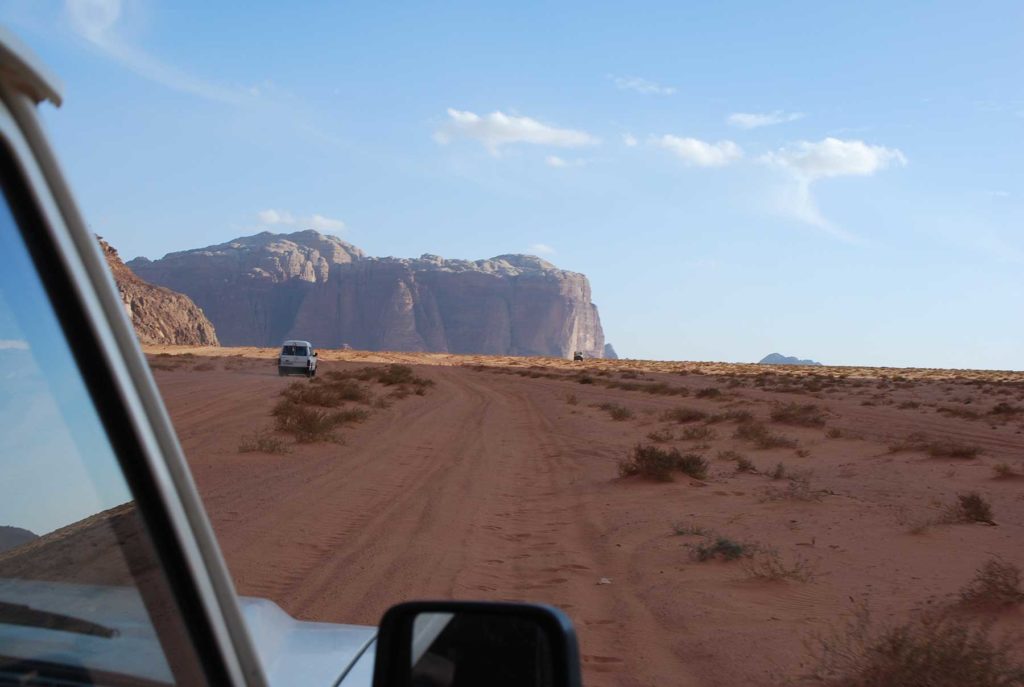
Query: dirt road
point(493, 486)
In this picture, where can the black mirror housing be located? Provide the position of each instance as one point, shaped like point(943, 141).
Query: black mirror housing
point(467, 643)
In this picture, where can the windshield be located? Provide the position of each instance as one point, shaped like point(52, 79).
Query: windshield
point(700, 321)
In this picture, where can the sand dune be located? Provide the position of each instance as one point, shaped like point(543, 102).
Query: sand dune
point(493, 485)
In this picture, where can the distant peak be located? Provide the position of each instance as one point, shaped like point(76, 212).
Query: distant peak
point(779, 359)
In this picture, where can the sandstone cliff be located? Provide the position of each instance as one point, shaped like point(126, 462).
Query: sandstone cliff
point(159, 315)
point(263, 289)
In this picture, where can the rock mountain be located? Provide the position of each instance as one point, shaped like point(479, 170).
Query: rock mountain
point(159, 315)
point(779, 359)
point(260, 290)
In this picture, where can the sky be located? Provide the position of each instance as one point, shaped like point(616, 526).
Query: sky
point(834, 181)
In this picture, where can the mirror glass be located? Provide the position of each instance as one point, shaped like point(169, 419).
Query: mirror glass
point(468, 648)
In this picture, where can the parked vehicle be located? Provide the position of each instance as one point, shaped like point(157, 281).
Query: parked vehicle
point(297, 358)
point(88, 447)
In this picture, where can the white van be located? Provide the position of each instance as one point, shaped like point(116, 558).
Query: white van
point(297, 358)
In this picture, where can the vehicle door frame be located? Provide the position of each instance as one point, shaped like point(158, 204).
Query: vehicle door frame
point(67, 258)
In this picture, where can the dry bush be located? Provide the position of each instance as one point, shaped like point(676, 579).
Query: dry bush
point(1004, 471)
point(659, 464)
point(729, 455)
point(308, 425)
point(762, 437)
point(767, 564)
point(571, 399)
point(617, 411)
point(834, 433)
point(936, 448)
point(730, 416)
point(908, 405)
point(933, 650)
point(205, 367)
point(698, 434)
point(394, 374)
point(800, 414)
point(683, 415)
point(681, 529)
point(722, 548)
point(971, 507)
point(963, 413)
point(660, 436)
point(710, 392)
point(997, 584)
point(1006, 410)
point(745, 465)
point(262, 442)
point(778, 472)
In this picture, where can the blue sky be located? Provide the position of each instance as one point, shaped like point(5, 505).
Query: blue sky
point(841, 182)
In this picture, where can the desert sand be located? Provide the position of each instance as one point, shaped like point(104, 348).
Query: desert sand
point(502, 482)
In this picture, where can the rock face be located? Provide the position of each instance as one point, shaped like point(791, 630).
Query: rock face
point(779, 359)
point(609, 352)
point(159, 315)
point(13, 537)
point(260, 290)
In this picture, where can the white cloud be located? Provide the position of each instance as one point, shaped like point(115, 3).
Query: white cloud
point(753, 120)
point(499, 129)
point(640, 85)
point(97, 21)
point(541, 249)
point(629, 140)
point(701, 153)
point(319, 222)
point(807, 162)
point(555, 161)
point(833, 157)
point(21, 344)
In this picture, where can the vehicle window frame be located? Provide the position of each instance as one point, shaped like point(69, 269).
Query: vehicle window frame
point(44, 214)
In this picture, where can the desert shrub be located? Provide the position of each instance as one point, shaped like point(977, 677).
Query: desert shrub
point(767, 564)
point(682, 529)
point(571, 399)
point(996, 584)
point(710, 392)
point(834, 433)
point(1004, 470)
point(394, 374)
point(311, 424)
point(683, 415)
point(933, 650)
point(584, 379)
point(723, 548)
point(778, 472)
point(205, 367)
point(908, 405)
point(262, 442)
point(936, 448)
point(972, 507)
point(798, 489)
point(617, 411)
point(697, 434)
point(801, 414)
point(802, 452)
point(694, 465)
point(761, 436)
point(745, 465)
point(660, 436)
point(730, 416)
point(1005, 409)
point(658, 464)
point(963, 413)
point(729, 455)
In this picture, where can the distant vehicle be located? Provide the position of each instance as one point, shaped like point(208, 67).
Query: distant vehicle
point(578, 355)
point(297, 358)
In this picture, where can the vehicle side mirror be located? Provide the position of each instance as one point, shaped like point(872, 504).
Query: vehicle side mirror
point(468, 643)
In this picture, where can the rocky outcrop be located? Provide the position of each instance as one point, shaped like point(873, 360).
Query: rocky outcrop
point(260, 290)
point(13, 537)
point(159, 315)
point(779, 359)
point(609, 352)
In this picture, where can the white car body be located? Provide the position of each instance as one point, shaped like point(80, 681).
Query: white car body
point(297, 358)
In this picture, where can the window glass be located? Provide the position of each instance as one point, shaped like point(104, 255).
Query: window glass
point(81, 591)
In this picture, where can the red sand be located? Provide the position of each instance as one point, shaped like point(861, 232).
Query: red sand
point(493, 486)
